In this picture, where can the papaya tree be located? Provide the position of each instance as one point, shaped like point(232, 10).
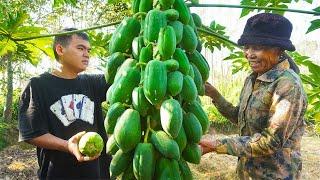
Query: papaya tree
point(15, 23)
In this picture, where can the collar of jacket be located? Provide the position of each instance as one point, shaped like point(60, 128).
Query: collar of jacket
point(273, 73)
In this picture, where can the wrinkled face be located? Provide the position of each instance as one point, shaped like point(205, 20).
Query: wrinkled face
point(75, 56)
point(261, 58)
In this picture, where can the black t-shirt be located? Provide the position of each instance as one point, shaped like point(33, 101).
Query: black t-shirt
point(64, 107)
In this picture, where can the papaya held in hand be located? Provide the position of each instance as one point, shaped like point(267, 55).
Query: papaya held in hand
point(91, 144)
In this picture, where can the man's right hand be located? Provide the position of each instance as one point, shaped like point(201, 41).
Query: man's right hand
point(74, 149)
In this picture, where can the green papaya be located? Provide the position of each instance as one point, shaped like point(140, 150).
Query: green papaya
point(189, 90)
point(111, 146)
point(167, 42)
point(122, 38)
point(119, 163)
point(113, 63)
point(153, 90)
point(175, 83)
point(127, 132)
point(165, 145)
point(183, 60)
point(114, 112)
point(144, 161)
point(192, 153)
point(192, 127)
point(171, 117)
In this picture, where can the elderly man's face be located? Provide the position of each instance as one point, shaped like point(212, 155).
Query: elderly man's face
point(261, 58)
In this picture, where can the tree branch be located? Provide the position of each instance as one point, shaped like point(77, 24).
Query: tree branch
point(64, 33)
point(254, 7)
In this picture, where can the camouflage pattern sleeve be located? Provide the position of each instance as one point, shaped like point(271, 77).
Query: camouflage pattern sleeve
point(286, 113)
point(226, 108)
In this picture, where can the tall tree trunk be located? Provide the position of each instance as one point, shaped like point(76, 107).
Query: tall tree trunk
point(7, 114)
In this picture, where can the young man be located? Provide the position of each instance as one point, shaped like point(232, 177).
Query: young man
point(57, 108)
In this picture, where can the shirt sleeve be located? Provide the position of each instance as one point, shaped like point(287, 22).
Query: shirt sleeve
point(31, 120)
point(286, 113)
point(226, 108)
point(101, 86)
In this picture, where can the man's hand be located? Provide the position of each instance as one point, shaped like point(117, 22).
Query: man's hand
point(73, 148)
point(208, 144)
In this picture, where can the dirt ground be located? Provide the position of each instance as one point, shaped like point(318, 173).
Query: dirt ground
point(19, 162)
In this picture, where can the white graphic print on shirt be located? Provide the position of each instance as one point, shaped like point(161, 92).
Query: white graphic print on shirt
point(71, 107)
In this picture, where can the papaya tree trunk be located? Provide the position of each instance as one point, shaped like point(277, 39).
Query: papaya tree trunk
point(7, 114)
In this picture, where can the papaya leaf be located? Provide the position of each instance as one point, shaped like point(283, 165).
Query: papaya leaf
point(239, 62)
point(315, 24)
point(7, 46)
point(59, 3)
point(309, 1)
point(16, 20)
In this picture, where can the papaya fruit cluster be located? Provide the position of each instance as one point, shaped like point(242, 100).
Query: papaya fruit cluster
point(155, 118)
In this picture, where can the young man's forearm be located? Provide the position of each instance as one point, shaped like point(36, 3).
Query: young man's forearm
point(49, 141)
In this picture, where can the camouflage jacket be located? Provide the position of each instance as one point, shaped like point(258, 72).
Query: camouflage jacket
point(270, 120)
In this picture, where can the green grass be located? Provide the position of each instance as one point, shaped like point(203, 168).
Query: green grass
point(8, 133)
point(3, 129)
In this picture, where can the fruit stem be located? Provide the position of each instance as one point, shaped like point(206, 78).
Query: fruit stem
point(148, 130)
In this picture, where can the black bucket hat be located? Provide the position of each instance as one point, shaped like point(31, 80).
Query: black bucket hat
point(268, 29)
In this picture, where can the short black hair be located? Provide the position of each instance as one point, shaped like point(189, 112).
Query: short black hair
point(65, 39)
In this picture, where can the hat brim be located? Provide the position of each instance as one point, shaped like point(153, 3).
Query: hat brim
point(284, 44)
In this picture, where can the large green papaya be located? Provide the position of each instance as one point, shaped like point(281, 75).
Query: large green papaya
point(192, 127)
point(123, 87)
point(153, 90)
point(114, 112)
point(171, 117)
point(189, 39)
point(146, 54)
point(113, 62)
point(139, 101)
point(181, 139)
point(125, 66)
point(197, 59)
point(175, 83)
point(192, 153)
point(183, 60)
point(196, 108)
point(196, 19)
point(189, 90)
point(167, 169)
point(137, 45)
point(145, 5)
point(154, 21)
point(122, 38)
point(144, 161)
point(171, 65)
point(119, 163)
point(184, 14)
point(127, 132)
point(111, 146)
point(197, 79)
point(165, 144)
point(171, 14)
point(178, 29)
point(167, 42)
